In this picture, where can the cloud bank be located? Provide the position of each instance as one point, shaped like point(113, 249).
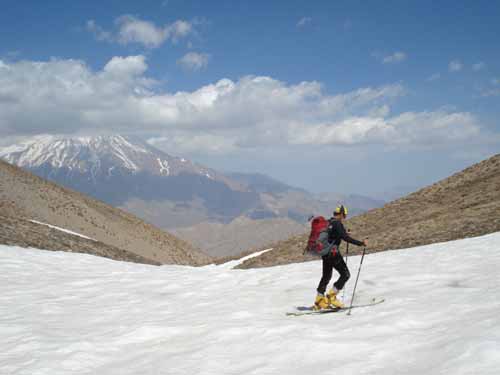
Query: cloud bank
point(67, 97)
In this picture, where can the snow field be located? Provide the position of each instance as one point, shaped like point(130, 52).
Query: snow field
point(64, 313)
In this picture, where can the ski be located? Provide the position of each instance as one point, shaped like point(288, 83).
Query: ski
point(309, 310)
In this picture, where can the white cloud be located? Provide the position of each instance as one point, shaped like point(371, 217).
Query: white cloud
point(133, 30)
point(455, 66)
point(408, 129)
point(304, 21)
point(179, 29)
point(190, 143)
point(66, 97)
point(194, 61)
point(434, 77)
point(130, 29)
point(130, 66)
point(478, 66)
point(396, 57)
point(99, 33)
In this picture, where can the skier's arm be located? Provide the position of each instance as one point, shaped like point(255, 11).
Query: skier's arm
point(347, 238)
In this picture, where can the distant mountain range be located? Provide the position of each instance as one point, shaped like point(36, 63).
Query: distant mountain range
point(172, 192)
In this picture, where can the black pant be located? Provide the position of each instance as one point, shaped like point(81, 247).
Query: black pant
point(330, 262)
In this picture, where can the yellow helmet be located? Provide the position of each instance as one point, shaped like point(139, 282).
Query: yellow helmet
point(340, 210)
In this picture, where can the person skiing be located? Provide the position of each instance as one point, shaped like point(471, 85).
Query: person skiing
point(336, 233)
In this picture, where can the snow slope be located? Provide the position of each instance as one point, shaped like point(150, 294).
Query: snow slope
point(64, 313)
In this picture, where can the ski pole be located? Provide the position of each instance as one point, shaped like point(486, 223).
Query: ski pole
point(346, 257)
point(356, 283)
point(347, 250)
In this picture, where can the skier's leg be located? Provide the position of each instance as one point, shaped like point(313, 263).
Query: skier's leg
point(341, 268)
point(327, 274)
point(321, 302)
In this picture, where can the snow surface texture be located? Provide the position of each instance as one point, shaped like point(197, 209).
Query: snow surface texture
point(65, 313)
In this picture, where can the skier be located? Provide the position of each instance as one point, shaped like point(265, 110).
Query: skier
point(336, 233)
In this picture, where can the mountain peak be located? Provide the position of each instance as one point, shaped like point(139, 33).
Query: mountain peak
point(71, 152)
point(99, 155)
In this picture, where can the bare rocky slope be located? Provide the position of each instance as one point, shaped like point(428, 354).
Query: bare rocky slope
point(117, 234)
point(466, 204)
point(24, 233)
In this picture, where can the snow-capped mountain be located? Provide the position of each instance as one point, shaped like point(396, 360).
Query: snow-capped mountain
point(127, 172)
point(101, 156)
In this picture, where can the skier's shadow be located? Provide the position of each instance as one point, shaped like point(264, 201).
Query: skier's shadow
point(457, 284)
point(304, 308)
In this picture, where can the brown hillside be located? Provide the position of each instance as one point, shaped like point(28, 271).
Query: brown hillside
point(23, 233)
point(466, 204)
point(231, 239)
point(24, 196)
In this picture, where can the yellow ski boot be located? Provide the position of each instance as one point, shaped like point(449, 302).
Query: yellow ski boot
point(332, 299)
point(320, 303)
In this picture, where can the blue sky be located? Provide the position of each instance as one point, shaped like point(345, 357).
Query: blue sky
point(398, 93)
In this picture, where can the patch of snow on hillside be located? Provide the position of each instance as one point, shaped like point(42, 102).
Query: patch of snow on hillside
point(6, 152)
point(66, 313)
point(234, 263)
point(164, 166)
point(120, 140)
point(62, 230)
point(121, 154)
